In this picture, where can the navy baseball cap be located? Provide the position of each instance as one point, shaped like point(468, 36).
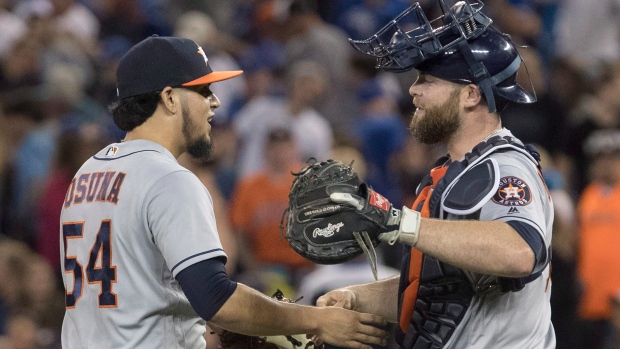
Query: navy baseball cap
point(160, 61)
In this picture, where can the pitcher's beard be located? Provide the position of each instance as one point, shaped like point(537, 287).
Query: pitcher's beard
point(438, 123)
point(199, 147)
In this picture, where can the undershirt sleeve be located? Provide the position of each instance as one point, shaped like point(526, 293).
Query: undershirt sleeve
point(206, 286)
point(535, 240)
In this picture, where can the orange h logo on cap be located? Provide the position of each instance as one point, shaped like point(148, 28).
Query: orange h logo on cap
point(201, 52)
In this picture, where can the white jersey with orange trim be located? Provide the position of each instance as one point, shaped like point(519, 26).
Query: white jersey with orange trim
point(133, 218)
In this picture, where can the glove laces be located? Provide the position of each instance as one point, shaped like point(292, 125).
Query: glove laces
point(369, 250)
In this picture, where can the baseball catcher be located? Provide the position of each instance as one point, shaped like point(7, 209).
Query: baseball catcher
point(334, 217)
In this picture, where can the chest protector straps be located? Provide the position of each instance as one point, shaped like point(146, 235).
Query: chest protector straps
point(434, 296)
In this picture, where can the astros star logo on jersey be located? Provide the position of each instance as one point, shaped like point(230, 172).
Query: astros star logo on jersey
point(512, 191)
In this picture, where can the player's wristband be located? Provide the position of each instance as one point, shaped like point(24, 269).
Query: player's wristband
point(409, 228)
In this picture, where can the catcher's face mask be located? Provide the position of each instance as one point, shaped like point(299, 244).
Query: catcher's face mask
point(410, 38)
point(457, 46)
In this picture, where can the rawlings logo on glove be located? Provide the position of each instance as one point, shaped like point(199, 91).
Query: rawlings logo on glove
point(328, 198)
point(328, 231)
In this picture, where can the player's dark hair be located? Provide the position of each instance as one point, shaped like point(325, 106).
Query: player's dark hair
point(131, 112)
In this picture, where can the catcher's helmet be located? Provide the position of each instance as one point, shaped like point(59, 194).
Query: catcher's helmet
point(459, 46)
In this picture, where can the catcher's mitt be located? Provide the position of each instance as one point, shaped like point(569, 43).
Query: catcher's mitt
point(232, 340)
point(327, 232)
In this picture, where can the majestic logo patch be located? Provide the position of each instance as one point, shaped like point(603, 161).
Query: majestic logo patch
point(512, 191)
point(111, 151)
point(378, 201)
point(328, 231)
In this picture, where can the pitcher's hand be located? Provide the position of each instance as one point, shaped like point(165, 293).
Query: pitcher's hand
point(350, 329)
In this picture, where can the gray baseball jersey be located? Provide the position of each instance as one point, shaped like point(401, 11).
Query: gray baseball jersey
point(133, 218)
point(515, 319)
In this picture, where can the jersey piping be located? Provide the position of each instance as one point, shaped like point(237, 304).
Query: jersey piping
point(196, 255)
point(122, 156)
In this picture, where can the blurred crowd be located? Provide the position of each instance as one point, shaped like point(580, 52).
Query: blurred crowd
point(305, 93)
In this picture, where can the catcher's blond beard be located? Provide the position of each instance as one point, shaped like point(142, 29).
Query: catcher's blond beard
point(438, 123)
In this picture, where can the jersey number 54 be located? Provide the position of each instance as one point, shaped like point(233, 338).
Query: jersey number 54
point(103, 274)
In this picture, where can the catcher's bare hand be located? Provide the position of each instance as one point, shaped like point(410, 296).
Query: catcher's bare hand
point(350, 329)
point(342, 298)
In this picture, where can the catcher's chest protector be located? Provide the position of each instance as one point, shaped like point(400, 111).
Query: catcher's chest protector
point(435, 296)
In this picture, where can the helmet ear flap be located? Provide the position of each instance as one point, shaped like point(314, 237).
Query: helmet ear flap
point(500, 102)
